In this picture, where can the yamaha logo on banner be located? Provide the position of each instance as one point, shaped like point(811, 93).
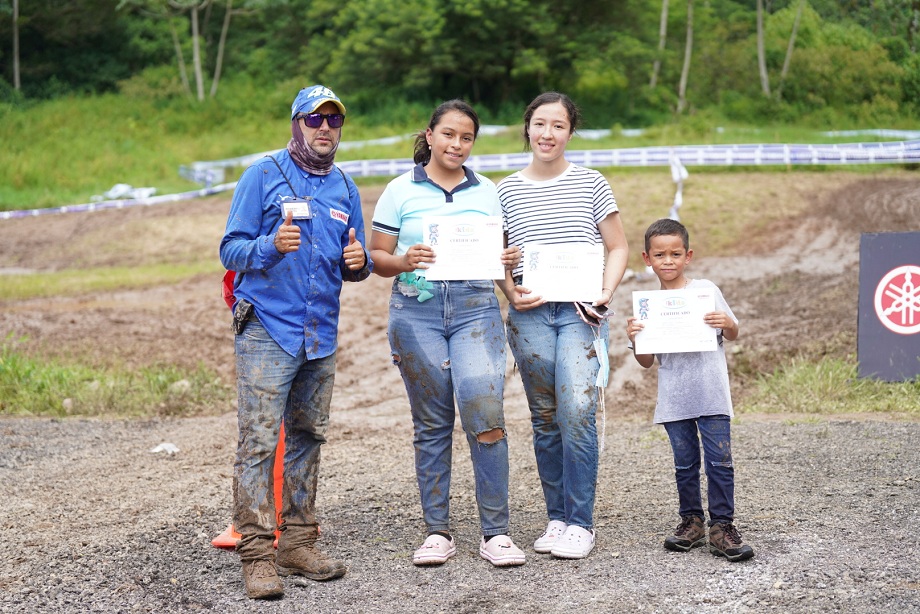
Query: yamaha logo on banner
point(888, 341)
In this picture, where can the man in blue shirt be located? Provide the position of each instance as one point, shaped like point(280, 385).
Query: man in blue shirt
point(294, 234)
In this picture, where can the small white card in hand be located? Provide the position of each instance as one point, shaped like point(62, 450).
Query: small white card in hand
point(564, 271)
point(465, 247)
point(673, 321)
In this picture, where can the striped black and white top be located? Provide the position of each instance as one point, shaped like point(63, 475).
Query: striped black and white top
point(565, 209)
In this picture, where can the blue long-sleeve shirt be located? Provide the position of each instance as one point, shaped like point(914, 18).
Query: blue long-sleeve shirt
point(295, 295)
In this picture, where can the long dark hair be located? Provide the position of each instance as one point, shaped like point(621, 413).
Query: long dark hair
point(549, 98)
point(422, 151)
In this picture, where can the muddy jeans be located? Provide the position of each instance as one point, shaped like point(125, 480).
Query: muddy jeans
point(554, 352)
point(273, 385)
point(450, 346)
point(715, 432)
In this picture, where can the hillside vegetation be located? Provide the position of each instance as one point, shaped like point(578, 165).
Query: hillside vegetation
point(99, 92)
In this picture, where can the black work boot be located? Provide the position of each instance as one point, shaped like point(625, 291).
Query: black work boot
point(725, 540)
point(261, 579)
point(690, 533)
point(298, 554)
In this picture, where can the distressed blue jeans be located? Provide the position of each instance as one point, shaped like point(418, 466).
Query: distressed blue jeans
point(554, 352)
point(715, 433)
point(275, 386)
point(452, 346)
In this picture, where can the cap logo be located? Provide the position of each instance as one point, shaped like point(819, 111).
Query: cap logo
point(321, 92)
point(309, 99)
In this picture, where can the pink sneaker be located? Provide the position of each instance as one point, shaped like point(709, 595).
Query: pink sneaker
point(501, 551)
point(435, 551)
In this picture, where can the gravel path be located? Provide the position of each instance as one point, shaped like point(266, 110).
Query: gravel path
point(95, 522)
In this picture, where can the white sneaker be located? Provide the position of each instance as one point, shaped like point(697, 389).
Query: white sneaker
point(435, 551)
point(501, 551)
point(575, 543)
point(551, 535)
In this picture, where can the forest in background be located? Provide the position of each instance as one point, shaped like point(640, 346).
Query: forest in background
point(626, 62)
point(99, 93)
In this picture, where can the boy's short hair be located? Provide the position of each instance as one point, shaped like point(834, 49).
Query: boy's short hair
point(665, 227)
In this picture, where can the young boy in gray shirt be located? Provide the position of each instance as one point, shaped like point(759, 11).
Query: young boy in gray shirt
point(694, 402)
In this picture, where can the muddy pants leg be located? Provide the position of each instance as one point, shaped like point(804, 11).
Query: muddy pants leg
point(477, 358)
point(419, 348)
point(265, 373)
point(715, 432)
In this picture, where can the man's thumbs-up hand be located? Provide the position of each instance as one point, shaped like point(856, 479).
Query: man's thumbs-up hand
point(353, 252)
point(287, 239)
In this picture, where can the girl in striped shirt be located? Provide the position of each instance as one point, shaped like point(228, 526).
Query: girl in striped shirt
point(554, 201)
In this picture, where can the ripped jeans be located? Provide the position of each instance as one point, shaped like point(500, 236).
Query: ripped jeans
point(452, 346)
point(685, 435)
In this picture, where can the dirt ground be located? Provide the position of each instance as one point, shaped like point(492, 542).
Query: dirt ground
point(94, 521)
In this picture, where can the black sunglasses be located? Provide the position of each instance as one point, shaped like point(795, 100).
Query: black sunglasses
point(315, 120)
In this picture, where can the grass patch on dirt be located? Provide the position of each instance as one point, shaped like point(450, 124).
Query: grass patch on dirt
point(33, 387)
point(73, 282)
point(829, 386)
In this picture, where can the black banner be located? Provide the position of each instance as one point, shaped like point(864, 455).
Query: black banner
point(888, 337)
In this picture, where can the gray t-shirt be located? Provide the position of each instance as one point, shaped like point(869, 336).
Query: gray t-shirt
point(694, 384)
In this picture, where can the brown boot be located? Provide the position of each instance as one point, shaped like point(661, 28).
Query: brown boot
point(298, 554)
point(690, 533)
point(261, 579)
point(725, 540)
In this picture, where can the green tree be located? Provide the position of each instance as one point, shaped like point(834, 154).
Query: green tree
point(169, 10)
point(370, 46)
point(621, 60)
point(911, 82)
point(843, 66)
point(66, 46)
point(507, 45)
point(274, 40)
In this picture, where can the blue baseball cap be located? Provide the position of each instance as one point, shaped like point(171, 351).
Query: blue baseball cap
point(309, 99)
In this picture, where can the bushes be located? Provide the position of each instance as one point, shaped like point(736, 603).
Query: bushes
point(156, 83)
point(910, 82)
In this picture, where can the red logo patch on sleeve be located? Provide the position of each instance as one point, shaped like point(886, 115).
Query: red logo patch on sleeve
point(339, 215)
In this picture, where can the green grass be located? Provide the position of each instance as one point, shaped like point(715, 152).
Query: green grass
point(829, 386)
point(32, 387)
point(72, 282)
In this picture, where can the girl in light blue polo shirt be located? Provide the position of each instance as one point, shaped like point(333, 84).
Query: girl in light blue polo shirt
point(447, 337)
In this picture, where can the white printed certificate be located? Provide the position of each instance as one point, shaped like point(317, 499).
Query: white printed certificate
point(673, 320)
point(564, 271)
point(465, 247)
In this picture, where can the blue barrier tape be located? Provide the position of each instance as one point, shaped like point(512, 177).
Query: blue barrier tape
point(119, 204)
